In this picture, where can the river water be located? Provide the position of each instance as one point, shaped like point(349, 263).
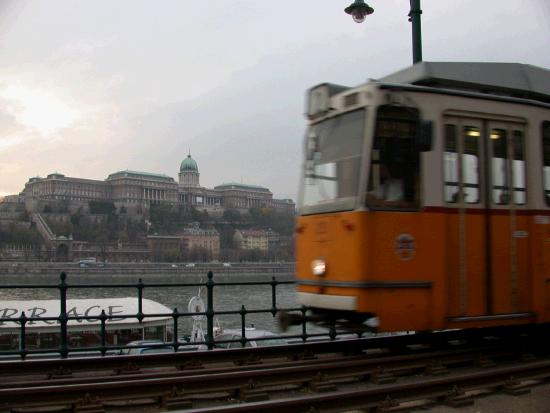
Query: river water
point(226, 298)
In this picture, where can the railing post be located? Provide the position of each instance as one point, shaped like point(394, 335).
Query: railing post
point(63, 351)
point(210, 311)
point(22, 336)
point(273, 296)
point(103, 319)
point(304, 330)
point(175, 332)
point(242, 312)
point(140, 301)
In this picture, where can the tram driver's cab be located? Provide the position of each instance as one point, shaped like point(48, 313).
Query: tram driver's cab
point(370, 153)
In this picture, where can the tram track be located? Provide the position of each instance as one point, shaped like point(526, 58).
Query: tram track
point(453, 389)
point(365, 364)
point(352, 366)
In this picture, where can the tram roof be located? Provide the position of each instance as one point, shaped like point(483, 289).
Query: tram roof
point(115, 307)
point(508, 79)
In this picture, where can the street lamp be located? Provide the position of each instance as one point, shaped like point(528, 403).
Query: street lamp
point(359, 10)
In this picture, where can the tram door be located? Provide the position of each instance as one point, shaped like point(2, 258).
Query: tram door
point(487, 234)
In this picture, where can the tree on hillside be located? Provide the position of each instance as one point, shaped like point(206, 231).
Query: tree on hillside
point(270, 219)
point(101, 207)
point(232, 215)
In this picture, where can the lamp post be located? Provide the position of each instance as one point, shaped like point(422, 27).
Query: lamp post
point(359, 10)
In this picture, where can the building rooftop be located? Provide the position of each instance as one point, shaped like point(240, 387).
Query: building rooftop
point(56, 175)
point(235, 185)
point(189, 164)
point(137, 174)
point(252, 232)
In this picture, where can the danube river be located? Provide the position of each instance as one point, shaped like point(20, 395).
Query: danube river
point(226, 298)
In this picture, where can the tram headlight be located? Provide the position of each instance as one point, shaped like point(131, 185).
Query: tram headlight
point(318, 267)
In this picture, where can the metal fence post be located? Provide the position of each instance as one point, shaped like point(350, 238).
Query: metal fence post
point(210, 311)
point(103, 319)
point(140, 301)
point(175, 332)
point(63, 350)
point(22, 336)
point(243, 325)
point(304, 328)
point(273, 296)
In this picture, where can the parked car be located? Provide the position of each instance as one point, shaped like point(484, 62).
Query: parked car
point(150, 347)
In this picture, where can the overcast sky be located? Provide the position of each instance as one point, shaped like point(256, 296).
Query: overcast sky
point(88, 88)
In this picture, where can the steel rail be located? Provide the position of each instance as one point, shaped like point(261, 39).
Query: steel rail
point(446, 389)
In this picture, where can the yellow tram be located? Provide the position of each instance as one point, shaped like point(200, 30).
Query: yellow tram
point(425, 198)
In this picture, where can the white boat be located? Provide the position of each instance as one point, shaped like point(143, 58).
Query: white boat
point(45, 334)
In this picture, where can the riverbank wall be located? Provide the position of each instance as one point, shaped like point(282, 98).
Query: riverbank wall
point(56, 268)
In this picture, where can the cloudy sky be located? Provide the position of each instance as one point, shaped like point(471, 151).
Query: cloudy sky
point(88, 88)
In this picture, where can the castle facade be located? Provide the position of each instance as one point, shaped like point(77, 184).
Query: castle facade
point(136, 191)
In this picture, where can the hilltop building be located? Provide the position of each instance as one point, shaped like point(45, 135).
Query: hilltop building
point(193, 239)
point(251, 239)
point(136, 191)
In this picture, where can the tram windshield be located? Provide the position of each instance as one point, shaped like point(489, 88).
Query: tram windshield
point(332, 166)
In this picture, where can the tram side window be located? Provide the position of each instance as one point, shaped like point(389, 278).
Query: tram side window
point(466, 171)
point(518, 167)
point(470, 164)
point(503, 172)
point(546, 159)
point(499, 166)
point(451, 164)
point(393, 178)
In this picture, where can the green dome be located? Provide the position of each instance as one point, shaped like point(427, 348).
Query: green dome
point(189, 164)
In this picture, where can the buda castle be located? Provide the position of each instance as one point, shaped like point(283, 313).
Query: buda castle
point(136, 191)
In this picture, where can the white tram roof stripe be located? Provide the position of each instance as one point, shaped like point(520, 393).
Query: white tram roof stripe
point(84, 307)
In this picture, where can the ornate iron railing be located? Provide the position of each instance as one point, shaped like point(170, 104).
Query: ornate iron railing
point(64, 349)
